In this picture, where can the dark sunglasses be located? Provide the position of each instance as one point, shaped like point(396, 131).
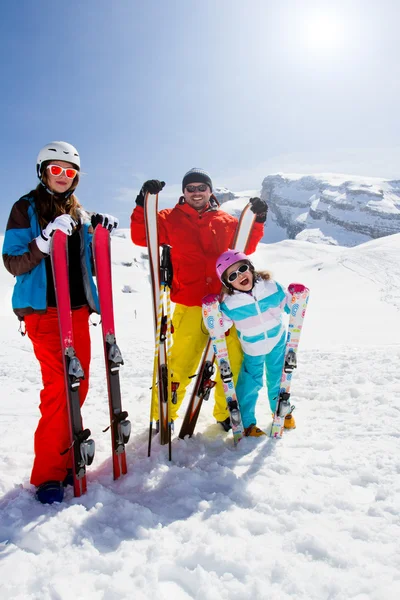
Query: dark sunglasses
point(197, 188)
point(242, 269)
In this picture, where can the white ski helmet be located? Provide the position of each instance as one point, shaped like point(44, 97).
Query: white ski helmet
point(57, 151)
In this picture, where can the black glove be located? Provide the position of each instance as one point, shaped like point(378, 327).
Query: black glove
point(107, 221)
point(153, 186)
point(259, 208)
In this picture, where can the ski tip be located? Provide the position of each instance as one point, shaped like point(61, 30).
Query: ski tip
point(237, 437)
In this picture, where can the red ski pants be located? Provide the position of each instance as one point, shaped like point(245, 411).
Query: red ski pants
point(52, 434)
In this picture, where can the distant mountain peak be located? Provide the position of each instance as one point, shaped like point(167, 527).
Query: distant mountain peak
point(332, 208)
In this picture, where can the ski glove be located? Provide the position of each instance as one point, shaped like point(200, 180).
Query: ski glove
point(210, 298)
point(259, 208)
point(294, 288)
point(152, 186)
point(64, 223)
point(107, 221)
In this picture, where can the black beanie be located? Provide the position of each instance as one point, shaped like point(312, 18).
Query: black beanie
point(196, 176)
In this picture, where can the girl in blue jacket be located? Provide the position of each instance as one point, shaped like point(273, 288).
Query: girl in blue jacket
point(34, 218)
point(254, 303)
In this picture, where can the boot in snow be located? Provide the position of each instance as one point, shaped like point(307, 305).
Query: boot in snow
point(253, 431)
point(226, 425)
point(289, 423)
point(49, 492)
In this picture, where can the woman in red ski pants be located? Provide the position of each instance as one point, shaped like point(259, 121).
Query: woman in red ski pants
point(33, 220)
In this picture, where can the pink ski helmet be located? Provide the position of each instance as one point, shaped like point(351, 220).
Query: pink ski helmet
point(227, 259)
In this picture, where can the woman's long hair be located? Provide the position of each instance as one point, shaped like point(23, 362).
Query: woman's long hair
point(49, 206)
point(228, 289)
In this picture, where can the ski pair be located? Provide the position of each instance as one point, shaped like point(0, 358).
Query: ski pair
point(82, 446)
point(162, 391)
point(299, 301)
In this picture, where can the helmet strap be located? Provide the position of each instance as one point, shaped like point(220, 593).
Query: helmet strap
point(64, 196)
point(48, 190)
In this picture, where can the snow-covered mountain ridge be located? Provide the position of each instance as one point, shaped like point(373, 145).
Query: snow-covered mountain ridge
point(344, 210)
point(333, 208)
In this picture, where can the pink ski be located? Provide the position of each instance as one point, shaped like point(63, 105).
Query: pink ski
point(299, 301)
point(119, 426)
point(82, 447)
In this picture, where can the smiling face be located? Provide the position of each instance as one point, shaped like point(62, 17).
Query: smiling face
point(244, 276)
point(197, 199)
point(58, 183)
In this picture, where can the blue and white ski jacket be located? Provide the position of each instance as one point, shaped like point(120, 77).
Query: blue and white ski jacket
point(23, 259)
point(257, 316)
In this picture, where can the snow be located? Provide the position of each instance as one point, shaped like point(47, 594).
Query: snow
point(312, 516)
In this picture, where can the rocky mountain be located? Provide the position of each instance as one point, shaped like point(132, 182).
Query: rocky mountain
point(331, 208)
point(223, 194)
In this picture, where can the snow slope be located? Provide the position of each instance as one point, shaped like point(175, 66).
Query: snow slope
point(313, 516)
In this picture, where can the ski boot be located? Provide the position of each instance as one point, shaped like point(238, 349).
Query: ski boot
point(253, 431)
point(226, 425)
point(49, 492)
point(289, 422)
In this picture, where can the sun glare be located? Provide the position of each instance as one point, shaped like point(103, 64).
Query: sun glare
point(324, 33)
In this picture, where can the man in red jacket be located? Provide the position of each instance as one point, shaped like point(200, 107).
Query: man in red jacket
point(198, 232)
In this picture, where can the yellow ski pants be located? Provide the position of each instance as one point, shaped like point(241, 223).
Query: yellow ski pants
point(189, 340)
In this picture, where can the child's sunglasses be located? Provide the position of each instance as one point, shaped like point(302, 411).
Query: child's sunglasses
point(197, 188)
point(56, 171)
point(242, 269)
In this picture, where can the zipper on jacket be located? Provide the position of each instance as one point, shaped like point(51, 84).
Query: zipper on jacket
point(259, 313)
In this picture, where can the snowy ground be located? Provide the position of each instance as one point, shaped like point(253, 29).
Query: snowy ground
point(313, 516)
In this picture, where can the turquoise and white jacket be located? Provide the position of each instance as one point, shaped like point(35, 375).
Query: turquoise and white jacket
point(257, 316)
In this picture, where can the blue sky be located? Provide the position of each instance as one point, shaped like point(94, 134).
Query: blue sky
point(239, 88)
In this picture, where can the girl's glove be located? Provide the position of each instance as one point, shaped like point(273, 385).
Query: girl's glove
point(64, 223)
point(296, 288)
point(210, 299)
point(107, 221)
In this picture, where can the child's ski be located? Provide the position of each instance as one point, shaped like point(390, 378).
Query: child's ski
point(82, 447)
point(214, 322)
point(119, 424)
point(300, 295)
point(204, 384)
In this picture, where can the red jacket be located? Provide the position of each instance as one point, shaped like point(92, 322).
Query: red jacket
point(196, 241)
